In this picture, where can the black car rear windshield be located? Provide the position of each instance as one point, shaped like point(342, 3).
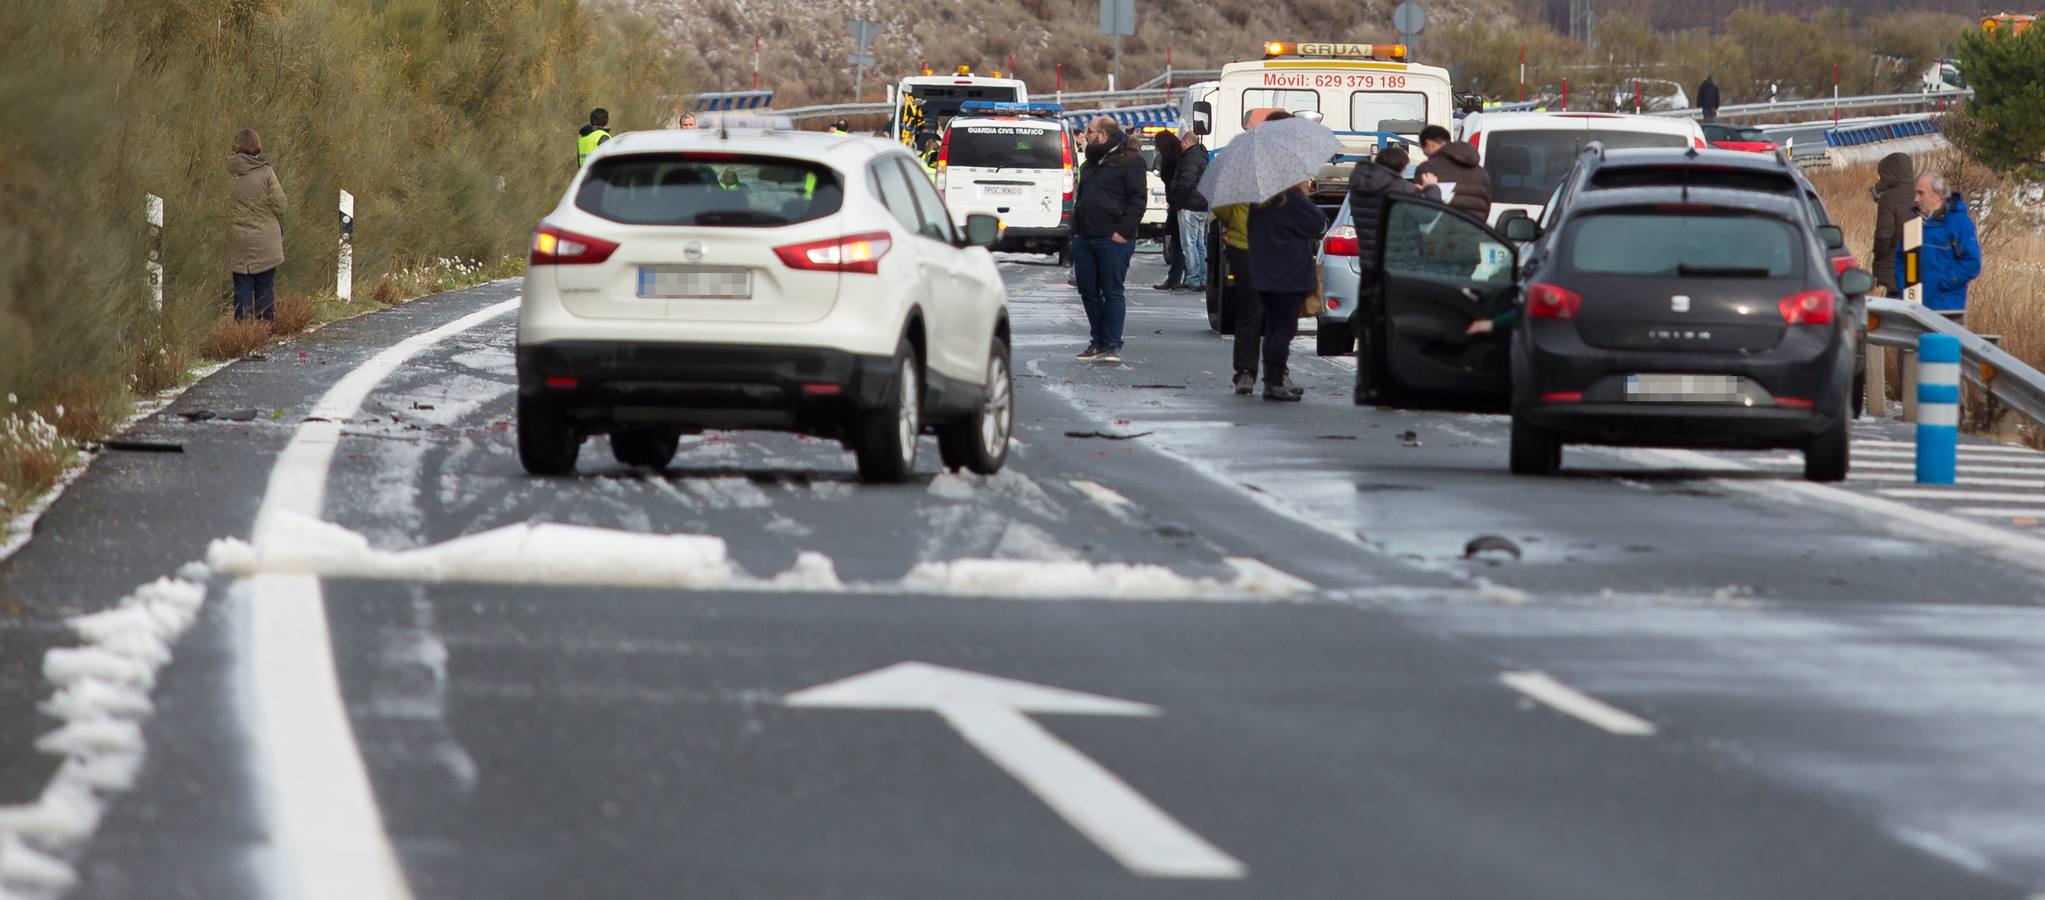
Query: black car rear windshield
point(1005, 147)
point(709, 189)
point(1679, 243)
point(1525, 166)
point(1679, 175)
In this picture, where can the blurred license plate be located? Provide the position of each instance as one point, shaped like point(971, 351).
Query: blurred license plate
point(685, 283)
point(1001, 190)
point(1685, 388)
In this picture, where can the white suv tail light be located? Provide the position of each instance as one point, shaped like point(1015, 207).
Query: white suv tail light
point(559, 247)
point(859, 253)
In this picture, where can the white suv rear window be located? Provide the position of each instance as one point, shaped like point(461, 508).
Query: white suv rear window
point(1005, 147)
point(1525, 166)
point(709, 189)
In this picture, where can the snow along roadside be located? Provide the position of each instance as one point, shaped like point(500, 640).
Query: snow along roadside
point(102, 698)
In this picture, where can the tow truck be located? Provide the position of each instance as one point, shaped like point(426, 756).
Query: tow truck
point(1370, 95)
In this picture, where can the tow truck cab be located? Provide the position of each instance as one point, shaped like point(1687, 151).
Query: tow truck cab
point(1368, 94)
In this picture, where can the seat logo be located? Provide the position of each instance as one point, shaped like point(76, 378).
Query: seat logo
point(693, 251)
point(1679, 303)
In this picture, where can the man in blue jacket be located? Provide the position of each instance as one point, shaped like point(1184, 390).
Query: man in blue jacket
point(1951, 256)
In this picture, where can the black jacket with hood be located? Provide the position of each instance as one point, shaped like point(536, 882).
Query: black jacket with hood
point(1369, 185)
point(1895, 203)
point(1457, 164)
point(1113, 192)
point(1184, 191)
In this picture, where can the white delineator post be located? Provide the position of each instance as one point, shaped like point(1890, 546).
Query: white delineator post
point(153, 214)
point(344, 276)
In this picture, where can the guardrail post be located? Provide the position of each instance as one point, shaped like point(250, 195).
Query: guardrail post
point(1938, 408)
point(344, 276)
point(152, 213)
point(1877, 380)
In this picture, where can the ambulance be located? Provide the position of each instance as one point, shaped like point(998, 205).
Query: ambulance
point(923, 104)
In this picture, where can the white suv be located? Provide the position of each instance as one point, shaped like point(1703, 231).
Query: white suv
point(761, 278)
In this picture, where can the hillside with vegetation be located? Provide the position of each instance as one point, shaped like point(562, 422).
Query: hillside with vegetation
point(451, 121)
point(1878, 44)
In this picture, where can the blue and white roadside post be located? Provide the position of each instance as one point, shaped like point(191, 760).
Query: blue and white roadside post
point(1938, 408)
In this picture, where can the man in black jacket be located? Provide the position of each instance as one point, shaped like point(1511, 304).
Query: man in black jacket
point(1455, 163)
point(1113, 194)
point(1184, 192)
point(1707, 98)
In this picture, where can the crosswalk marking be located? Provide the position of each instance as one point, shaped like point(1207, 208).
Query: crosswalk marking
point(2000, 512)
point(1972, 496)
point(2033, 483)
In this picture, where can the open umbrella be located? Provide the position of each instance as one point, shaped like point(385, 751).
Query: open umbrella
point(1264, 161)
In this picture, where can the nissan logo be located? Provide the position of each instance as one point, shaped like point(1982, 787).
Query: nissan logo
point(693, 251)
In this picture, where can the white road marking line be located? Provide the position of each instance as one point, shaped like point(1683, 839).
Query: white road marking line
point(1997, 458)
point(1886, 477)
point(324, 822)
point(1997, 512)
point(1570, 701)
point(1973, 496)
point(1104, 496)
point(991, 713)
point(1964, 448)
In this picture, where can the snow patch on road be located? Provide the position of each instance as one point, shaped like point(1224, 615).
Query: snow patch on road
point(102, 698)
point(582, 556)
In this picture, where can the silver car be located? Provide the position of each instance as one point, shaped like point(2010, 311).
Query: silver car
point(1341, 284)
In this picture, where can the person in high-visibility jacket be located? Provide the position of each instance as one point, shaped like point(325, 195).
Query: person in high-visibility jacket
point(592, 135)
point(841, 128)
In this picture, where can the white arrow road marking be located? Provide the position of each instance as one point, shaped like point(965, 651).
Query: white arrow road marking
point(1576, 703)
point(990, 713)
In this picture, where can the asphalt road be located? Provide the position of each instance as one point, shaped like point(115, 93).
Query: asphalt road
point(1700, 678)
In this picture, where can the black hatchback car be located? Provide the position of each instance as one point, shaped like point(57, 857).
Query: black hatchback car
point(1685, 317)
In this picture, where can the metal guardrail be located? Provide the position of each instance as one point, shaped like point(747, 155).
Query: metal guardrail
point(1825, 104)
point(2011, 381)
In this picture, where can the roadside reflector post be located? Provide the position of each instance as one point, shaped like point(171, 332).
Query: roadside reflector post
point(1938, 408)
point(344, 268)
point(152, 214)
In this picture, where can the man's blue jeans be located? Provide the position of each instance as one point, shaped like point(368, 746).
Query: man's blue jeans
point(1102, 266)
point(255, 295)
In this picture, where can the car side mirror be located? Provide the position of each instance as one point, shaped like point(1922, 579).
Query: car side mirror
point(1856, 282)
point(1520, 230)
point(1834, 238)
point(982, 230)
point(1203, 117)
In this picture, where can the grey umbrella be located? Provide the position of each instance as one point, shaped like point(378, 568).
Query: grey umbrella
point(1262, 162)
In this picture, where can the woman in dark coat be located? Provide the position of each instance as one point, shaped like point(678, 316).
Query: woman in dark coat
point(1168, 151)
point(1283, 233)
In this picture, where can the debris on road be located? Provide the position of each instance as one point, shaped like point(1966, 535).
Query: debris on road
point(1108, 437)
point(142, 446)
point(1490, 546)
point(1409, 439)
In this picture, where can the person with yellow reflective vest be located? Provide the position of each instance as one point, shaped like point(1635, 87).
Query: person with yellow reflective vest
point(841, 128)
point(592, 135)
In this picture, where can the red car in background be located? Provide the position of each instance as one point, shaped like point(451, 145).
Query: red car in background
point(1733, 137)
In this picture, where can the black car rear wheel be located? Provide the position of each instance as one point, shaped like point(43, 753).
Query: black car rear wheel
point(1826, 456)
point(648, 447)
point(1535, 451)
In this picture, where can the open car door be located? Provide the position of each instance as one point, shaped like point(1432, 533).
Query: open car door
point(1439, 269)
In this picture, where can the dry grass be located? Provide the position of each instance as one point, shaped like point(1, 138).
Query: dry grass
point(295, 314)
point(85, 409)
point(33, 455)
point(233, 339)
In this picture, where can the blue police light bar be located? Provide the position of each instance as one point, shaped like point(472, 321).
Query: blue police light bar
point(1018, 109)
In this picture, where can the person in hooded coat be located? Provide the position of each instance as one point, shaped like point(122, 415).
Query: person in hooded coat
point(1895, 179)
point(1455, 163)
point(1707, 98)
point(1168, 152)
point(255, 215)
point(1368, 187)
